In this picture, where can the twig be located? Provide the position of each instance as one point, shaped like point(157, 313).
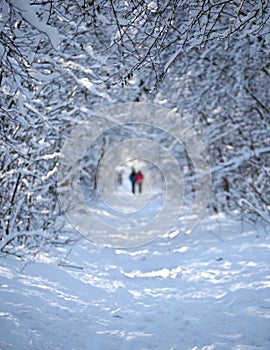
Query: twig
point(69, 265)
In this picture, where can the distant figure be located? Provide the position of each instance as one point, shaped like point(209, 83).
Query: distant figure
point(132, 180)
point(139, 180)
point(119, 178)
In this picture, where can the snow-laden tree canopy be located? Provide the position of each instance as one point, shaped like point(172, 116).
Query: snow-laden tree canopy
point(209, 60)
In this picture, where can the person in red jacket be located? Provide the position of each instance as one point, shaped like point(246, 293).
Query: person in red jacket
point(139, 180)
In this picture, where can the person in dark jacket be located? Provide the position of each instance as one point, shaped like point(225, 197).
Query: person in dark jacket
point(132, 180)
point(120, 178)
point(139, 180)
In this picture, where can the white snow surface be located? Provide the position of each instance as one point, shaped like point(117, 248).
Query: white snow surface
point(209, 290)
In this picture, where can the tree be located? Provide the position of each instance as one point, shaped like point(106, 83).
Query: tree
point(59, 60)
point(226, 93)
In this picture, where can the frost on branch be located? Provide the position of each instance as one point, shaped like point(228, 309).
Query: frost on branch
point(28, 13)
point(60, 60)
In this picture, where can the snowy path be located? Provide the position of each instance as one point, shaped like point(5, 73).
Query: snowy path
point(209, 290)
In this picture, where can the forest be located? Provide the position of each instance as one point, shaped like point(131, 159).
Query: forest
point(62, 61)
point(177, 90)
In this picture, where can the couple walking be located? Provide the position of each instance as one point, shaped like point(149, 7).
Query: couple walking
point(136, 178)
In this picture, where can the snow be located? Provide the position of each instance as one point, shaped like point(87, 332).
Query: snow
point(30, 16)
point(205, 291)
point(42, 77)
point(208, 290)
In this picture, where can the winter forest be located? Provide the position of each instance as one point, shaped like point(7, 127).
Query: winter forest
point(69, 63)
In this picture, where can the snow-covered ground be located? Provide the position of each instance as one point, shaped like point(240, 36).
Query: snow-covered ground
point(208, 290)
